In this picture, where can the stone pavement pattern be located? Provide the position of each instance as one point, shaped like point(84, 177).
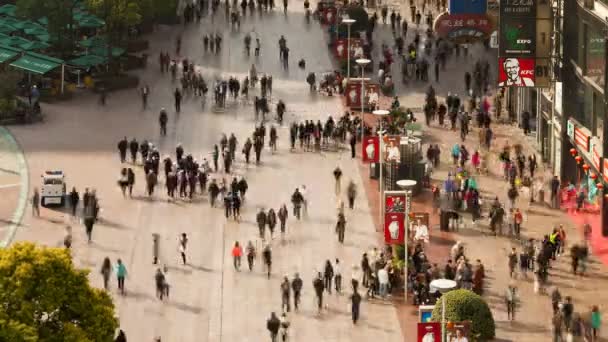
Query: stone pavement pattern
point(209, 300)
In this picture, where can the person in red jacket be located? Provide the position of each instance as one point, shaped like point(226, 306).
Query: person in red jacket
point(237, 253)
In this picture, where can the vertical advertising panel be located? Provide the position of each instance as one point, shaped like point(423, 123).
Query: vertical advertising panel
point(596, 53)
point(371, 149)
point(516, 72)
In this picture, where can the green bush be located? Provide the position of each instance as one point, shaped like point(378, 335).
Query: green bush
point(465, 305)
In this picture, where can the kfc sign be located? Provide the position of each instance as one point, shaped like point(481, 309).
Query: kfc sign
point(516, 72)
point(394, 228)
point(371, 149)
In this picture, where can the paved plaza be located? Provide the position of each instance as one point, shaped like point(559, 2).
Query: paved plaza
point(209, 300)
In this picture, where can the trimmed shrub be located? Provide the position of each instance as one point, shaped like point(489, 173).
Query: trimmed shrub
point(465, 305)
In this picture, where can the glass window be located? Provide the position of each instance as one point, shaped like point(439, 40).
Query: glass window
point(595, 57)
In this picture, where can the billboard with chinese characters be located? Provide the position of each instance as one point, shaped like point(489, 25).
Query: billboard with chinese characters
point(525, 43)
point(371, 149)
point(463, 28)
point(516, 72)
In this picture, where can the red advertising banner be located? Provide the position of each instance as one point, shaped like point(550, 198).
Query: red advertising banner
point(329, 15)
point(605, 171)
point(394, 228)
point(341, 47)
point(516, 72)
point(394, 203)
point(353, 94)
point(391, 148)
point(581, 139)
point(371, 149)
point(429, 332)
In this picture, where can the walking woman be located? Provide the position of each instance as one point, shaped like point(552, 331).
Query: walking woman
point(106, 271)
point(250, 255)
point(272, 221)
point(237, 253)
point(130, 180)
point(121, 273)
point(123, 181)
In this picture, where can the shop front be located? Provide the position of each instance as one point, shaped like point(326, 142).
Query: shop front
point(586, 193)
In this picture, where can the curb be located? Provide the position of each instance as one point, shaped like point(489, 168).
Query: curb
point(16, 149)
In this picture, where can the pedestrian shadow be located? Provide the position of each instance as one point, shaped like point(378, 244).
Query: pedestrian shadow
point(111, 224)
point(376, 327)
point(179, 269)
point(144, 198)
point(519, 326)
point(202, 268)
point(180, 306)
point(105, 249)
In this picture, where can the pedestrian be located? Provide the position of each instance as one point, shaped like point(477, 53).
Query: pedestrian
point(383, 281)
point(67, 240)
point(296, 286)
point(145, 91)
point(341, 227)
point(353, 143)
point(319, 287)
point(355, 300)
point(36, 203)
point(178, 100)
point(558, 322)
point(267, 255)
point(159, 279)
point(121, 337)
point(261, 220)
point(88, 224)
point(512, 262)
point(155, 248)
point(297, 199)
point(183, 241)
point(338, 277)
point(133, 149)
point(106, 271)
point(596, 322)
point(74, 199)
point(271, 218)
point(250, 255)
point(511, 300)
point(166, 283)
point(285, 294)
point(122, 149)
point(273, 324)
point(121, 274)
point(555, 187)
point(162, 121)
point(130, 180)
point(567, 311)
point(237, 253)
point(351, 193)
point(282, 214)
point(338, 178)
point(328, 275)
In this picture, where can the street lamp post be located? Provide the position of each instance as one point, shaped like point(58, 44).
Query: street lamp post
point(443, 286)
point(348, 23)
point(381, 113)
point(407, 185)
point(362, 62)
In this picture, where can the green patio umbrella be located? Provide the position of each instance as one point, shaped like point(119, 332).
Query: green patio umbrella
point(26, 24)
point(91, 22)
point(44, 37)
point(36, 31)
point(87, 61)
point(93, 41)
point(35, 45)
point(10, 21)
point(44, 21)
point(78, 15)
point(103, 51)
point(14, 41)
point(8, 9)
point(7, 29)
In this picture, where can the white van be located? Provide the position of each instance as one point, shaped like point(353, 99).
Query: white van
point(53, 189)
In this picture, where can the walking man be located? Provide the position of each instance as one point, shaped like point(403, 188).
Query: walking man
point(285, 294)
point(162, 120)
point(355, 300)
point(36, 203)
point(296, 286)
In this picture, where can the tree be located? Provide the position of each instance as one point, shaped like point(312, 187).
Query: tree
point(44, 298)
point(119, 17)
point(60, 15)
point(465, 305)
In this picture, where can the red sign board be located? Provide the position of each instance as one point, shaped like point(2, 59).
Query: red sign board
point(353, 94)
point(516, 72)
point(371, 149)
point(341, 47)
point(394, 228)
point(463, 28)
point(605, 171)
point(329, 15)
point(429, 332)
point(394, 203)
point(581, 139)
